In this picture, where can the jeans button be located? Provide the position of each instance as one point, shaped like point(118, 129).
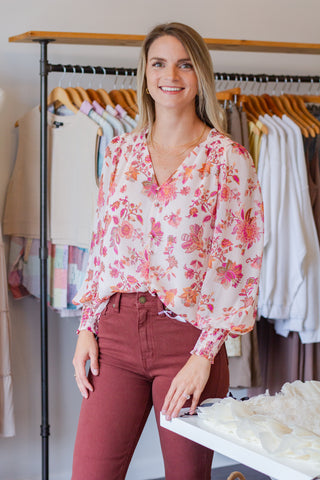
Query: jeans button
point(142, 299)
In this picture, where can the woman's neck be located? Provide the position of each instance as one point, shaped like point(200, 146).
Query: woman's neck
point(176, 129)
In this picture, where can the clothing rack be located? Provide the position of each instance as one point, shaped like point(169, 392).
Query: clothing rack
point(44, 38)
point(252, 77)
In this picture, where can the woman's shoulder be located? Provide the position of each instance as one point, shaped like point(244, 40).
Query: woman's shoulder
point(222, 143)
point(126, 139)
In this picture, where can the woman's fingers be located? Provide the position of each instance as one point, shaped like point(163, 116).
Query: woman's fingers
point(86, 349)
point(189, 382)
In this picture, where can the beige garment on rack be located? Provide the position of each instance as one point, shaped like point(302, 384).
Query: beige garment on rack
point(72, 186)
point(22, 207)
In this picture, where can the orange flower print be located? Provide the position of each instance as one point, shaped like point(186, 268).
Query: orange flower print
point(189, 296)
point(132, 174)
point(167, 192)
point(188, 170)
point(89, 275)
point(126, 230)
point(247, 229)
point(193, 212)
point(226, 243)
point(225, 192)
point(193, 241)
point(204, 170)
point(230, 273)
point(169, 296)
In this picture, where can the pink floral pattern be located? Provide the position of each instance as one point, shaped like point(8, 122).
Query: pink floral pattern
point(196, 240)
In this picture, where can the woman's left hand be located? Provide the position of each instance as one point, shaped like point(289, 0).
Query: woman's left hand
point(190, 380)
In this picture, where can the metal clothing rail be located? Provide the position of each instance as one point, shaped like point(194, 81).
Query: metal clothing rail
point(44, 38)
point(245, 77)
point(265, 78)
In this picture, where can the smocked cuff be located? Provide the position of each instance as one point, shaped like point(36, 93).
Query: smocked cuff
point(89, 321)
point(209, 343)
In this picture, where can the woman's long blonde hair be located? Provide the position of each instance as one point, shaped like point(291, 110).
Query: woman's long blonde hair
point(207, 105)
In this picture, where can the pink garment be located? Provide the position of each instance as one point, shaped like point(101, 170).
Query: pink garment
point(196, 240)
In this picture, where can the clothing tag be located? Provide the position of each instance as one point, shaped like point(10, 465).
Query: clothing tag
point(57, 124)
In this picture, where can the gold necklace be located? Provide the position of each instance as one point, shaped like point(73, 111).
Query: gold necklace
point(187, 145)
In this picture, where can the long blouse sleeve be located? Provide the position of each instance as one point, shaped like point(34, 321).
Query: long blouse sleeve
point(229, 293)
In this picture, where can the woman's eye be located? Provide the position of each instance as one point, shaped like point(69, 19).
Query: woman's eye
point(186, 65)
point(157, 64)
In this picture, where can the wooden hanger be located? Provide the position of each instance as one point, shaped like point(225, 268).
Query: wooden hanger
point(83, 94)
point(118, 98)
point(59, 94)
point(133, 94)
point(272, 105)
point(246, 103)
point(264, 105)
point(75, 96)
point(286, 109)
point(295, 115)
point(311, 98)
point(256, 105)
point(228, 94)
point(105, 97)
point(129, 100)
point(314, 121)
point(94, 96)
point(312, 128)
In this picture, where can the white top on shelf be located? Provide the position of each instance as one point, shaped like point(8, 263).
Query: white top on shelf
point(280, 469)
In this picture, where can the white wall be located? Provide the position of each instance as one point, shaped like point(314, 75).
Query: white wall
point(275, 20)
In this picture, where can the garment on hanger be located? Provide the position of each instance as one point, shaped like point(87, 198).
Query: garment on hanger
point(290, 282)
point(284, 359)
point(66, 269)
point(72, 179)
point(7, 421)
point(244, 367)
point(73, 184)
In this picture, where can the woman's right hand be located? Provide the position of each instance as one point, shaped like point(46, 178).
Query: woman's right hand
point(86, 349)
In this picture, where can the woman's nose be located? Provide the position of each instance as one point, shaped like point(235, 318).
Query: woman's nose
point(172, 72)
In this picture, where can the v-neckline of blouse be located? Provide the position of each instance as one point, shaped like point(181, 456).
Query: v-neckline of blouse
point(176, 172)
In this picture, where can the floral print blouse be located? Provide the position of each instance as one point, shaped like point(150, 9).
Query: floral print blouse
point(196, 240)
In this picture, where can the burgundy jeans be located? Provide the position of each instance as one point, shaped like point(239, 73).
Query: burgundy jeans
point(140, 352)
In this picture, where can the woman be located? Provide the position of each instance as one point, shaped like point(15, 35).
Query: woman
point(174, 265)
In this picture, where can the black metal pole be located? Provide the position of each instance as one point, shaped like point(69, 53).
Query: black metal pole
point(43, 255)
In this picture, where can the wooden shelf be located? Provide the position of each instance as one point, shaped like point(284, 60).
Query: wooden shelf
point(136, 41)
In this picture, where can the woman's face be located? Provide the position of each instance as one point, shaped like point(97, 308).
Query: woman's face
point(171, 79)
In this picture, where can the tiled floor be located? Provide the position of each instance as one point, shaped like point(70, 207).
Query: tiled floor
point(222, 473)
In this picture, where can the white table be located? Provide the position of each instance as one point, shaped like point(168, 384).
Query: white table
point(196, 430)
